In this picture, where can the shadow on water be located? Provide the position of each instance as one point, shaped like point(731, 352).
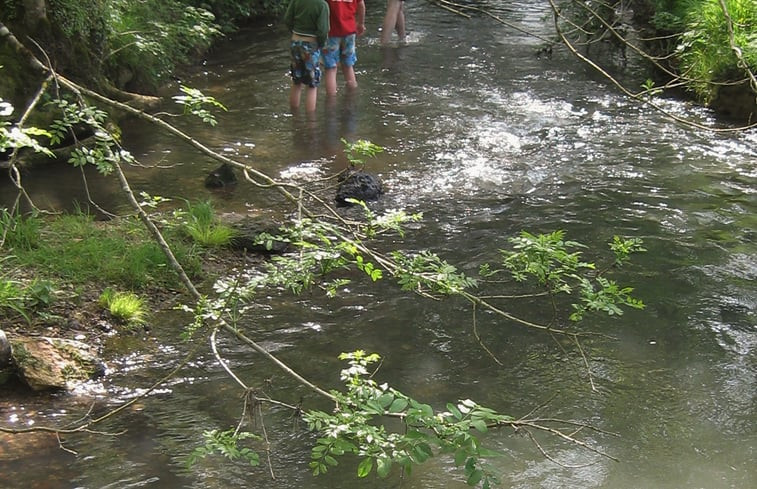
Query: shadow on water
point(486, 140)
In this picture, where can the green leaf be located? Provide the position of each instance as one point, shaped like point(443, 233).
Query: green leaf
point(383, 466)
point(460, 457)
point(386, 400)
point(475, 477)
point(480, 425)
point(455, 412)
point(365, 467)
point(398, 406)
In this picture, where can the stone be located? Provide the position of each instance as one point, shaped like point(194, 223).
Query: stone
point(45, 363)
point(359, 185)
point(5, 350)
point(223, 176)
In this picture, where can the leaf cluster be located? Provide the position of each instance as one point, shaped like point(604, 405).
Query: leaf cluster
point(358, 426)
point(14, 137)
point(226, 444)
point(198, 104)
point(102, 150)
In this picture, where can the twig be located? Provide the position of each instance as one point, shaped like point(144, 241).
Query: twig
point(478, 338)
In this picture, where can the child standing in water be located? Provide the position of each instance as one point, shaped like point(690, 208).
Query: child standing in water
point(309, 22)
point(347, 22)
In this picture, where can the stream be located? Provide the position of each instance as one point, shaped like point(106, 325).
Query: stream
point(485, 139)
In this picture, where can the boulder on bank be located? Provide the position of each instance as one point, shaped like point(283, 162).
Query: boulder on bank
point(45, 363)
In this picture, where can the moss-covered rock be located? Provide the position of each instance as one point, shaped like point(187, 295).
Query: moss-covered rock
point(54, 363)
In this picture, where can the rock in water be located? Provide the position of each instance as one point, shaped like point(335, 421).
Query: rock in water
point(5, 350)
point(54, 363)
point(223, 176)
point(358, 185)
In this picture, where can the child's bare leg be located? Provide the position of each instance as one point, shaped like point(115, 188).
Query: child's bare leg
point(330, 77)
point(401, 21)
point(349, 77)
point(311, 97)
point(393, 7)
point(294, 96)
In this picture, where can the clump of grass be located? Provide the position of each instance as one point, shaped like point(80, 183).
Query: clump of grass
point(19, 232)
point(12, 298)
point(124, 306)
point(203, 227)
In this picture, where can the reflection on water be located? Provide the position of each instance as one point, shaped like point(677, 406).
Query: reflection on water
point(486, 140)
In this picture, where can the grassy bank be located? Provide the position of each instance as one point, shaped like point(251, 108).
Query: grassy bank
point(106, 265)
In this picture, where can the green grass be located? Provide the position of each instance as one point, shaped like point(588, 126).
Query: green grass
point(12, 298)
point(124, 306)
point(203, 227)
point(76, 249)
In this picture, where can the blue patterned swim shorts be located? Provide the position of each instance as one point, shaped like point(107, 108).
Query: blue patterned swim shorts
point(339, 49)
point(306, 57)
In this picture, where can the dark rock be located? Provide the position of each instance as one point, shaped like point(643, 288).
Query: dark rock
point(358, 185)
point(5, 350)
point(223, 176)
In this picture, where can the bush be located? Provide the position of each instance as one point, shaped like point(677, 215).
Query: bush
point(150, 38)
point(706, 54)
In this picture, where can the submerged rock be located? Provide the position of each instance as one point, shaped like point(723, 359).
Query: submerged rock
point(359, 185)
point(223, 176)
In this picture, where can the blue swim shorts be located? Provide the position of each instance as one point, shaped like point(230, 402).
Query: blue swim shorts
point(306, 57)
point(339, 49)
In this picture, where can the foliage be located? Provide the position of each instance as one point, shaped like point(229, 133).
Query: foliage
point(12, 297)
point(78, 18)
point(425, 270)
point(607, 298)
point(125, 306)
point(14, 137)
point(226, 444)
point(231, 13)
point(555, 264)
point(9, 9)
point(103, 151)
point(322, 251)
point(201, 225)
point(545, 257)
point(194, 103)
point(356, 428)
point(624, 248)
point(359, 149)
point(21, 298)
point(705, 49)
point(152, 37)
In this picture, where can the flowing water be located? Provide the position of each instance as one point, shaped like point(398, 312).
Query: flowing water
point(486, 140)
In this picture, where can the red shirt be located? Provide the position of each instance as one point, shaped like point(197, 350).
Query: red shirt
point(342, 17)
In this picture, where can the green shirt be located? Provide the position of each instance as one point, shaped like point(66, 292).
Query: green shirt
point(308, 18)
